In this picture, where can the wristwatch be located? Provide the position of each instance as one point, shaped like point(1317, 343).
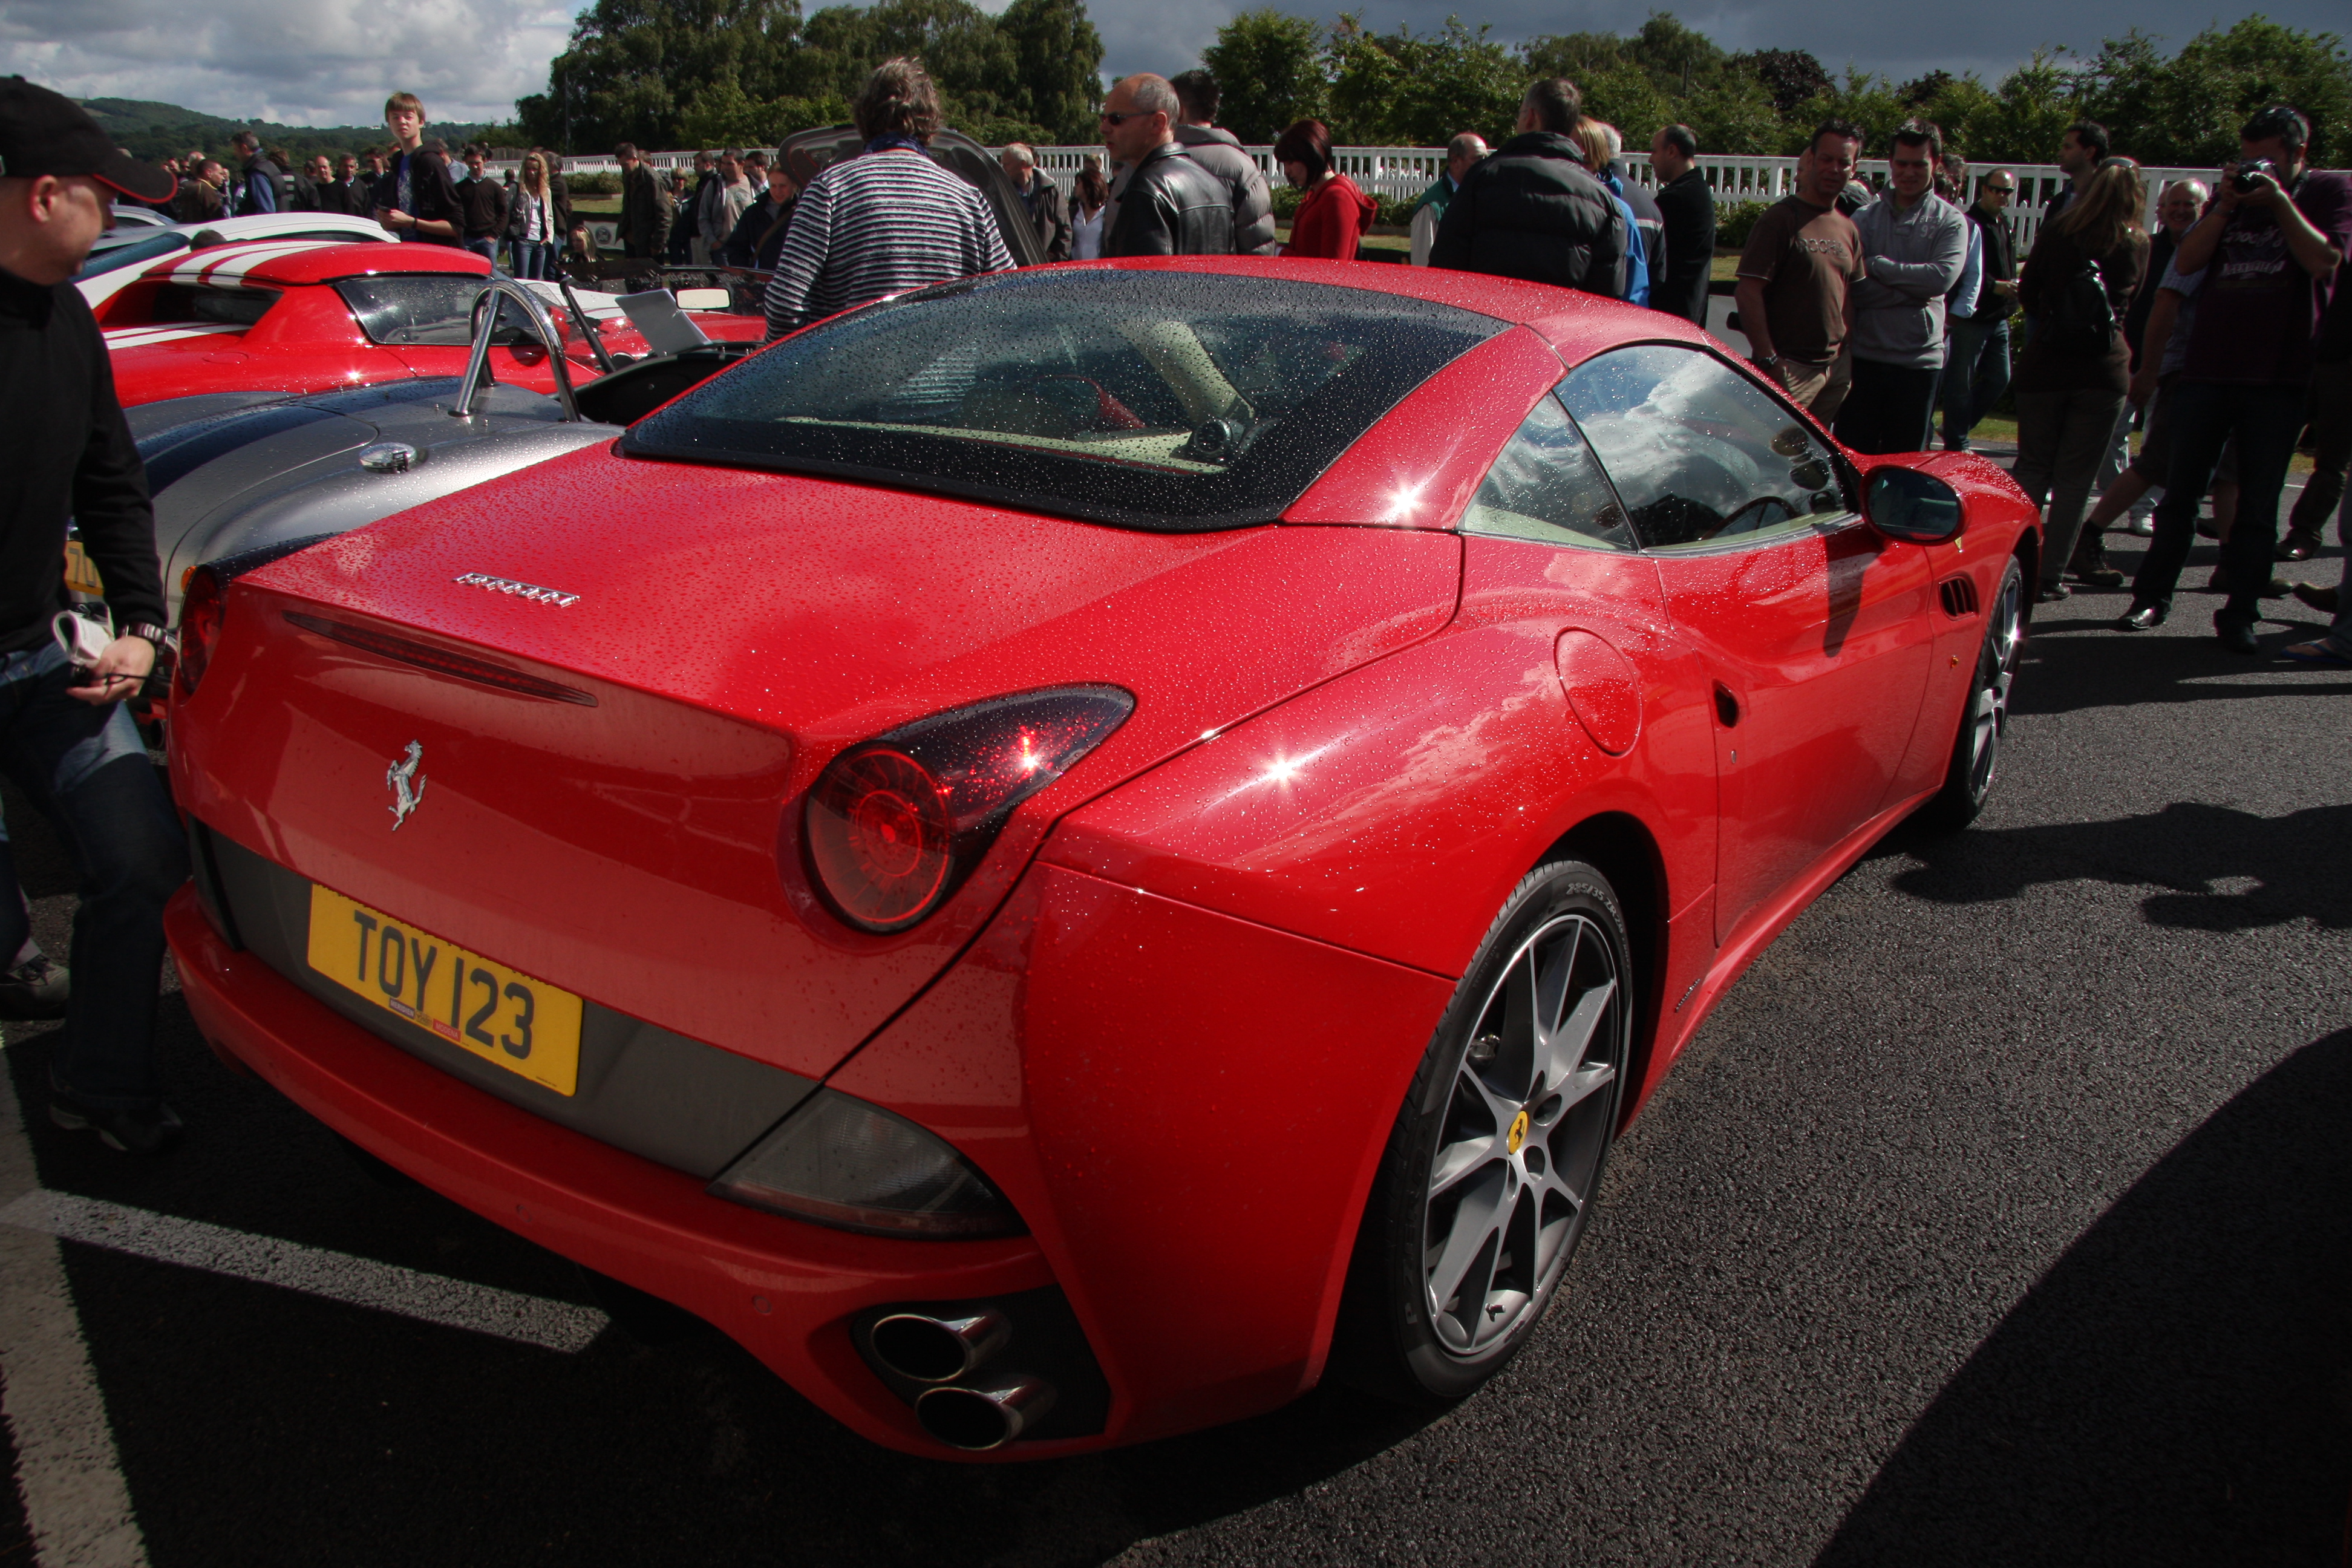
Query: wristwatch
point(154, 633)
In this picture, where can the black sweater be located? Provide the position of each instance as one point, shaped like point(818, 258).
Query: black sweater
point(66, 456)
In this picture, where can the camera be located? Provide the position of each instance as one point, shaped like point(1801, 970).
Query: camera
point(2253, 170)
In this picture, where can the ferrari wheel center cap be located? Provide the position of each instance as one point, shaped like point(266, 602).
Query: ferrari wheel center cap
point(1519, 1134)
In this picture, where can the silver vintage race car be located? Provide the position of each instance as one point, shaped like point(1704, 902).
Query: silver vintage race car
point(236, 472)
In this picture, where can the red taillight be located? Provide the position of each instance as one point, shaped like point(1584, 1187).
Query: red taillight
point(879, 835)
point(896, 823)
point(201, 608)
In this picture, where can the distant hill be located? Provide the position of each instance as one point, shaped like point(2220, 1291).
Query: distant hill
point(166, 130)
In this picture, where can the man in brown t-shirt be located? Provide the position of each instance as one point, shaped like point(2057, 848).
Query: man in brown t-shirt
point(1802, 260)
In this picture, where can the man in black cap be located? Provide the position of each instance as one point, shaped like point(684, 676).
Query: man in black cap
point(65, 454)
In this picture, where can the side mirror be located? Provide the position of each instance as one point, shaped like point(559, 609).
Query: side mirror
point(1904, 503)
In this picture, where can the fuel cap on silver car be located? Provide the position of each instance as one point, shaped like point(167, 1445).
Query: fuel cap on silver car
point(388, 457)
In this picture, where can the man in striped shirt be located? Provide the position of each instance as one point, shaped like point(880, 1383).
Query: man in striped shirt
point(885, 221)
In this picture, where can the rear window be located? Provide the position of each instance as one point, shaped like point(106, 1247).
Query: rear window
point(1162, 400)
point(400, 309)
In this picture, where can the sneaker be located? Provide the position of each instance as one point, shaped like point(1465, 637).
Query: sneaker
point(35, 988)
point(2141, 524)
point(150, 1129)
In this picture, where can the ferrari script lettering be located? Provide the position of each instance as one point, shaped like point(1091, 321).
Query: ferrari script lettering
point(530, 590)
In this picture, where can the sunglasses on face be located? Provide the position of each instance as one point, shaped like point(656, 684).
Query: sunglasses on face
point(1108, 118)
point(1999, 190)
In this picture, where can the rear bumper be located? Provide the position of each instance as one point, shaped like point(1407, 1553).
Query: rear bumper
point(786, 1290)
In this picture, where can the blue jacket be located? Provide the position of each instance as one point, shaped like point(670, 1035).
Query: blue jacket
point(1637, 261)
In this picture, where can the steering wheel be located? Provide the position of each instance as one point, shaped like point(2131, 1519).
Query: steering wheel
point(1731, 525)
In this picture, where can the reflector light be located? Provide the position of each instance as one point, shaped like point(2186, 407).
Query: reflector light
point(841, 1161)
point(896, 823)
point(202, 607)
point(440, 660)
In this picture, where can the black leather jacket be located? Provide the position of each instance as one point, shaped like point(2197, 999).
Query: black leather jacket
point(1532, 210)
point(1171, 207)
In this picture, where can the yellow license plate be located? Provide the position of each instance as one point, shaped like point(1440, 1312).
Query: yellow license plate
point(523, 1025)
point(82, 572)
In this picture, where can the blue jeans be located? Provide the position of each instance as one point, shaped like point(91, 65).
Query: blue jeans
point(487, 249)
point(87, 770)
point(1976, 372)
point(534, 258)
point(2204, 415)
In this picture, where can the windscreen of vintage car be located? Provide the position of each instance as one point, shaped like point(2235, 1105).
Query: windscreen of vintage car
point(1169, 401)
point(402, 309)
point(130, 252)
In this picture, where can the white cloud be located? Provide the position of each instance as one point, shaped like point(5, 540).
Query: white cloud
point(327, 62)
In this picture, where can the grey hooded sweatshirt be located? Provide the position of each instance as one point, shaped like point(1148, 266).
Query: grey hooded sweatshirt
point(1914, 259)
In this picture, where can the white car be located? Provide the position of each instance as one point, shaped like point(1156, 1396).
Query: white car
point(122, 254)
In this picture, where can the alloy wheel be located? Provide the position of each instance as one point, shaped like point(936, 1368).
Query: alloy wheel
point(1989, 708)
point(1528, 1123)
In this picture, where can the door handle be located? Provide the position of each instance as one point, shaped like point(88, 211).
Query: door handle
point(1727, 707)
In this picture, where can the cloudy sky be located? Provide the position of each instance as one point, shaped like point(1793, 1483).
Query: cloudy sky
point(329, 62)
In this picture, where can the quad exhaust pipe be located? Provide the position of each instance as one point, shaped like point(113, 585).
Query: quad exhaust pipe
point(942, 1351)
point(977, 1417)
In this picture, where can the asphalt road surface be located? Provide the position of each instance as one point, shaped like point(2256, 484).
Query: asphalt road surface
point(2003, 1214)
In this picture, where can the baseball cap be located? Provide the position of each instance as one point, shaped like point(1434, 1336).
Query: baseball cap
point(46, 132)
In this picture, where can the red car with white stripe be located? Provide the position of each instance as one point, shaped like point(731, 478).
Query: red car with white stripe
point(303, 316)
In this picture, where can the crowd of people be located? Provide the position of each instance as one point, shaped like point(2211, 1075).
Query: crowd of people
point(1871, 307)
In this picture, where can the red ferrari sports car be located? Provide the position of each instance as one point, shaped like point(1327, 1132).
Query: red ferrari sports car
point(1068, 854)
point(304, 315)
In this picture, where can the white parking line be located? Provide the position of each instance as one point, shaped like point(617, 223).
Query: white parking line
point(335, 1276)
point(75, 1499)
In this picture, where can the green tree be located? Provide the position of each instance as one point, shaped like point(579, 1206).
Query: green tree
point(2186, 111)
point(672, 73)
point(633, 65)
point(1058, 66)
point(1270, 67)
point(1418, 90)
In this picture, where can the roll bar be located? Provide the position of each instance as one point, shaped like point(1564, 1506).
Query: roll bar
point(543, 324)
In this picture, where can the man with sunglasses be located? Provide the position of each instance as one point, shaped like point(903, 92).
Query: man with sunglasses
point(1170, 205)
point(1976, 372)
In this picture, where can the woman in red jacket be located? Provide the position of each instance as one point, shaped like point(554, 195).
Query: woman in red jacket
point(1335, 214)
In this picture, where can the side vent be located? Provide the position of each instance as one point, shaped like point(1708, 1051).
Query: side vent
point(1959, 596)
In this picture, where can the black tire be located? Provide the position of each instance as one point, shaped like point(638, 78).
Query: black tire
point(1975, 762)
point(1455, 1267)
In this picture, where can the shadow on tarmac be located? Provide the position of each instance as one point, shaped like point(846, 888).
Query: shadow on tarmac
point(2179, 1387)
point(2223, 869)
point(2103, 668)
